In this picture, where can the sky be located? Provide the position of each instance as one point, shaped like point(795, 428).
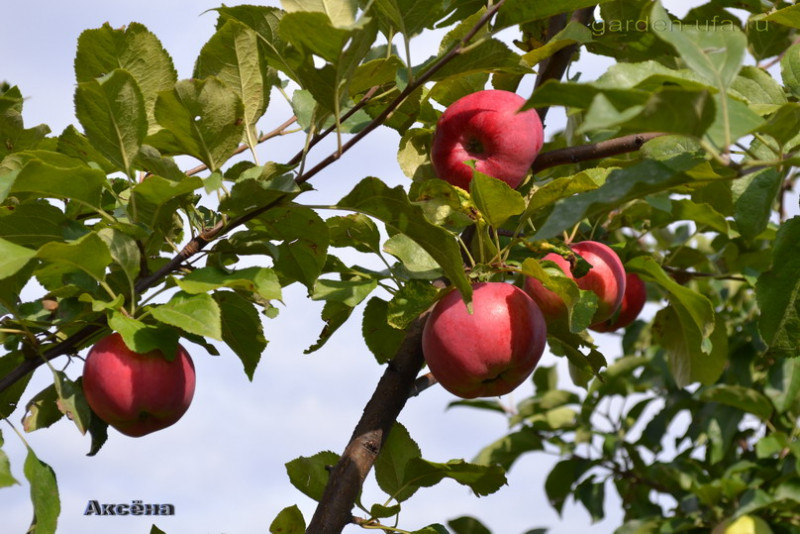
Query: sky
point(222, 464)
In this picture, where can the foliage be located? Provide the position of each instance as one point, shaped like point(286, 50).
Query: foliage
point(694, 424)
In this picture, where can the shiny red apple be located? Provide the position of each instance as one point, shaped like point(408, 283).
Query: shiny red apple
point(137, 393)
point(489, 352)
point(606, 279)
point(486, 126)
point(632, 303)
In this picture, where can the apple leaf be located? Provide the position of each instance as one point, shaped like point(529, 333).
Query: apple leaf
point(9, 398)
point(288, 521)
point(349, 292)
point(6, 478)
point(416, 261)
point(154, 200)
point(381, 339)
point(467, 525)
point(519, 11)
point(242, 330)
point(259, 280)
point(13, 258)
point(196, 314)
point(41, 410)
point(124, 251)
point(413, 298)
point(33, 225)
point(390, 466)
point(563, 477)
point(201, 118)
point(141, 337)
point(134, 49)
point(155, 530)
point(14, 137)
point(753, 196)
point(88, 254)
point(373, 197)
point(44, 494)
point(783, 387)
point(232, 56)
point(112, 112)
point(71, 401)
point(716, 54)
point(334, 314)
point(790, 69)
point(260, 186)
point(741, 397)
point(310, 474)
point(733, 121)
point(50, 175)
point(506, 450)
point(354, 230)
point(481, 479)
point(777, 291)
point(622, 185)
point(494, 198)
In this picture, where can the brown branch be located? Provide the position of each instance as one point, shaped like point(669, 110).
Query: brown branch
point(603, 149)
point(554, 67)
point(396, 385)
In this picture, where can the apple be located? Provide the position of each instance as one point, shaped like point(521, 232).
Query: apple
point(137, 393)
point(632, 303)
point(606, 279)
point(490, 351)
point(485, 126)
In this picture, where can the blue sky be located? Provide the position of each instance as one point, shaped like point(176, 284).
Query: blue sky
point(222, 465)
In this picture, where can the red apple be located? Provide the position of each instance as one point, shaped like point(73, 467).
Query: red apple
point(137, 393)
point(606, 279)
point(632, 304)
point(486, 127)
point(489, 352)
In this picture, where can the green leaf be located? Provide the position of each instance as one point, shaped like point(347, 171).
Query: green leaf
point(790, 69)
point(349, 292)
point(416, 261)
point(518, 11)
point(55, 179)
point(782, 124)
point(9, 398)
point(143, 338)
point(14, 137)
point(777, 292)
point(134, 49)
point(154, 201)
point(124, 251)
point(754, 195)
point(467, 525)
point(494, 198)
point(241, 327)
point(155, 530)
point(622, 185)
point(342, 13)
point(88, 254)
point(6, 478)
point(581, 305)
point(714, 53)
point(413, 298)
point(490, 55)
point(381, 339)
point(563, 477)
point(202, 118)
point(112, 112)
point(482, 480)
point(573, 33)
point(506, 450)
point(390, 465)
point(374, 198)
point(354, 230)
point(33, 225)
point(407, 17)
point(310, 475)
point(741, 397)
point(259, 280)
point(288, 521)
point(734, 120)
point(232, 56)
point(41, 410)
point(592, 495)
point(304, 249)
point(44, 494)
point(335, 314)
point(13, 258)
point(196, 314)
point(71, 401)
point(783, 387)
point(260, 186)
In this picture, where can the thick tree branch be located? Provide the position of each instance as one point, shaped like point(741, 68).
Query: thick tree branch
point(396, 385)
point(603, 149)
point(554, 67)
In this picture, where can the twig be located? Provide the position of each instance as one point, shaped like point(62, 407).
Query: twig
point(554, 67)
point(603, 149)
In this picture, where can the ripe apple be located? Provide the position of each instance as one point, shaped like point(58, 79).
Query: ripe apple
point(489, 352)
point(137, 393)
point(486, 127)
point(632, 303)
point(606, 279)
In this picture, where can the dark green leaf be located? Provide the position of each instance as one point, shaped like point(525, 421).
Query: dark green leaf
point(33, 224)
point(467, 525)
point(381, 339)
point(112, 112)
point(41, 410)
point(335, 314)
point(124, 251)
point(783, 388)
point(310, 475)
point(354, 230)
point(374, 198)
point(260, 186)
point(202, 118)
point(506, 450)
point(44, 494)
point(10, 397)
point(482, 480)
point(518, 11)
point(754, 196)
point(55, 179)
point(741, 397)
point(71, 401)
point(242, 330)
point(288, 521)
point(776, 291)
point(390, 466)
point(563, 477)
